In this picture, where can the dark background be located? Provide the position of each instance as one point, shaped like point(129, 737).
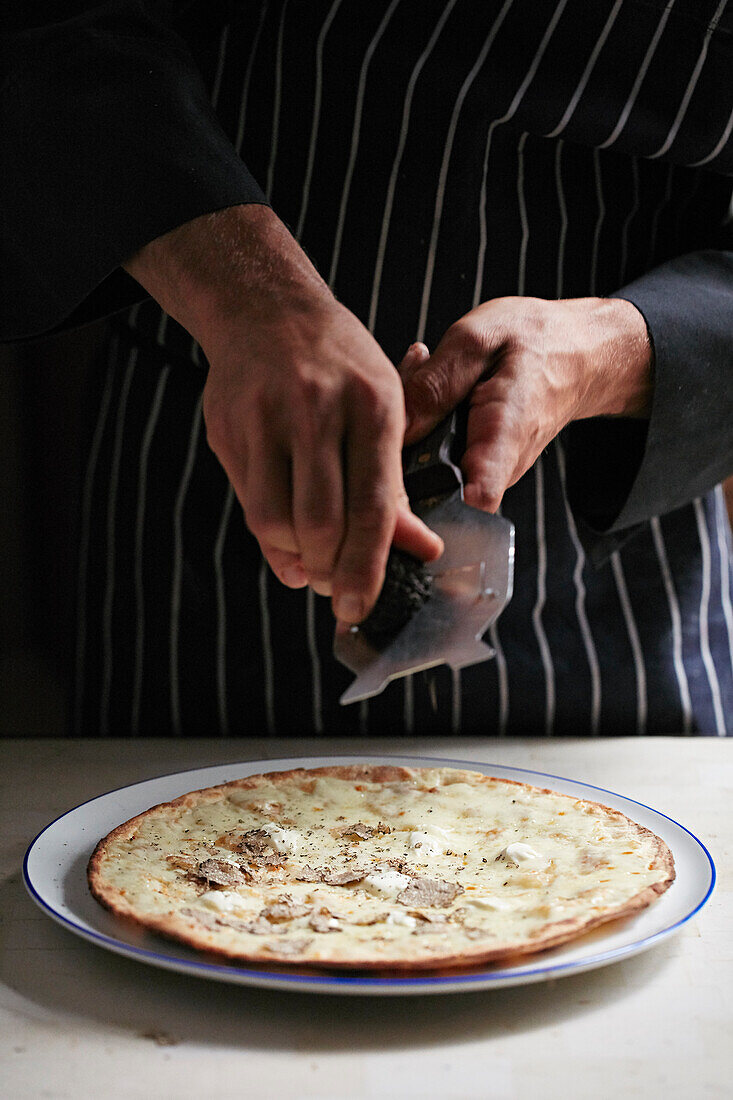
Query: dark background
point(44, 421)
point(43, 424)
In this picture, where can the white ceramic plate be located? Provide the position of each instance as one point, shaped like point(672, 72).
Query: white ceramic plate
point(55, 876)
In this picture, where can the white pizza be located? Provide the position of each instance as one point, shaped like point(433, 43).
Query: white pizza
point(377, 867)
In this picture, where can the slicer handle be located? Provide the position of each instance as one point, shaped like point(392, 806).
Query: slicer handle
point(428, 466)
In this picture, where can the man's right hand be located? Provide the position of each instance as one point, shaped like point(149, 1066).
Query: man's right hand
point(302, 407)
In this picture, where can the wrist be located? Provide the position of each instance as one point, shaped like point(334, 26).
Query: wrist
point(236, 265)
point(619, 358)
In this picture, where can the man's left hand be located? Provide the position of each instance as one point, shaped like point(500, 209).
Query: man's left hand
point(530, 366)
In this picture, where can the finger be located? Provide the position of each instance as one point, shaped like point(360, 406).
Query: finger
point(318, 503)
point(374, 484)
point(287, 567)
point(437, 384)
point(266, 498)
point(415, 355)
point(493, 445)
point(412, 535)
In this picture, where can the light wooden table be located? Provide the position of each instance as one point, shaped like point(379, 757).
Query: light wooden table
point(77, 1021)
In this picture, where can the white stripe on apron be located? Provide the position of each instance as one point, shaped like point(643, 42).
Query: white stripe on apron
point(692, 84)
point(593, 280)
point(86, 513)
point(640, 671)
point(221, 614)
point(674, 610)
point(384, 231)
point(315, 662)
point(541, 596)
point(175, 604)
point(111, 546)
point(316, 116)
point(139, 550)
point(580, 593)
point(443, 175)
point(582, 83)
point(277, 99)
point(267, 656)
point(707, 656)
point(718, 147)
point(627, 222)
point(560, 278)
point(639, 79)
point(724, 537)
point(661, 206)
point(356, 131)
point(246, 82)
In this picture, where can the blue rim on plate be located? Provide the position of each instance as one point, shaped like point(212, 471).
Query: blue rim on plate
point(338, 981)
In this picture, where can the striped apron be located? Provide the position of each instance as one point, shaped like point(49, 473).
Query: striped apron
point(412, 163)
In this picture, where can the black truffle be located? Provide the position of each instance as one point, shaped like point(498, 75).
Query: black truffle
point(407, 586)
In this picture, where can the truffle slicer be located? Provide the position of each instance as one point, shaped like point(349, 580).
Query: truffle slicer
point(472, 580)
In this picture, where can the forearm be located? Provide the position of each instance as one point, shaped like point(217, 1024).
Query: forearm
point(223, 269)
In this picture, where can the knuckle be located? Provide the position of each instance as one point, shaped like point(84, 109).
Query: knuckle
point(468, 337)
point(484, 496)
point(319, 511)
point(313, 408)
point(360, 576)
point(318, 566)
point(372, 511)
point(377, 400)
point(429, 389)
point(265, 521)
point(322, 586)
point(500, 419)
point(218, 426)
point(495, 327)
point(319, 577)
point(313, 392)
point(321, 518)
point(360, 566)
point(318, 534)
point(487, 476)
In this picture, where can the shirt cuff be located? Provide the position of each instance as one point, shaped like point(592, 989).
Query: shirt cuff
point(622, 472)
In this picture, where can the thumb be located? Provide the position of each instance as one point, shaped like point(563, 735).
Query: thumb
point(436, 384)
point(415, 355)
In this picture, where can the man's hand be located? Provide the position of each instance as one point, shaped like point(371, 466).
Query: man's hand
point(302, 407)
point(530, 367)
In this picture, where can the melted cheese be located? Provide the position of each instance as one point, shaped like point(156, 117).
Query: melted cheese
point(385, 884)
point(426, 844)
point(285, 841)
point(403, 919)
point(230, 901)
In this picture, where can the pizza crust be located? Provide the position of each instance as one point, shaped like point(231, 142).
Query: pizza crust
point(430, 920)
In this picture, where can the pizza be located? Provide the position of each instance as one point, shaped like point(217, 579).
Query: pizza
point(377, 866)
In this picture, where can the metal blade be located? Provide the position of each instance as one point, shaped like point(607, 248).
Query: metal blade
point(472, 583)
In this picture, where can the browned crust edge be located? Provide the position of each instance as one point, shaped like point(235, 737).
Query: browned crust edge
point(183, 931)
